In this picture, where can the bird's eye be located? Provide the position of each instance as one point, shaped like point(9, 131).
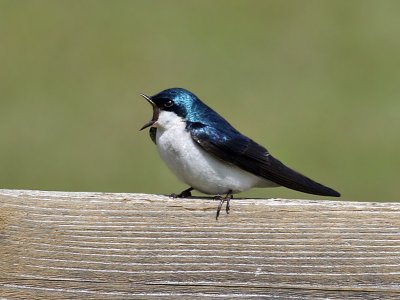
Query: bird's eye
point(168, 103)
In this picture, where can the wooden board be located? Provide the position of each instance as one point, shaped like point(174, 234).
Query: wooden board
point(61, 245)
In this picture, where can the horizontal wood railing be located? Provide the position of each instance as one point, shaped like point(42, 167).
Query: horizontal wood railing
point(58, 245)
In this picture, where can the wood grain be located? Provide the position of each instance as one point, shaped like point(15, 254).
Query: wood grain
point(62, 245)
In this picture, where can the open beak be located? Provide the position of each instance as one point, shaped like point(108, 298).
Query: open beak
point(156, 112)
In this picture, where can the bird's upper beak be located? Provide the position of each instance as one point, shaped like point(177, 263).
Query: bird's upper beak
point(156, 112)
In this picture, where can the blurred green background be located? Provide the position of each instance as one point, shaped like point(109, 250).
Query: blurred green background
point(316, 82)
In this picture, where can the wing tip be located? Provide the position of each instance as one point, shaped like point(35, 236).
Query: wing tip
point(318, 189)
point(332, 193)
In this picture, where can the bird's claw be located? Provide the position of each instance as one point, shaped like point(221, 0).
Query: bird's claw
point(184, 194)
point(226, 199)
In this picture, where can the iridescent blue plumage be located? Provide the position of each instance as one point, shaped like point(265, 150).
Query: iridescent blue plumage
point(221, 140)
point(191, 108)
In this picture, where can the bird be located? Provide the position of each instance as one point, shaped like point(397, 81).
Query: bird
point(204, 151)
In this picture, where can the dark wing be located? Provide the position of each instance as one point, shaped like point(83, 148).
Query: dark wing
point(229, 145)
point(152, 133)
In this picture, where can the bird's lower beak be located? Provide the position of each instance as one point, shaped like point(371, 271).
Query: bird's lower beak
point(156, 112)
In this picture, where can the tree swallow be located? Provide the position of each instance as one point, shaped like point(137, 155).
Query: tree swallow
point(204, 151)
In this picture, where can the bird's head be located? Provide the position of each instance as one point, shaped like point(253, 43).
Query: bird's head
point(176, 100)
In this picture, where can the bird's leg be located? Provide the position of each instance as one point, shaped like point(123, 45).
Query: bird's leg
point(185, 194)
point(226, 199)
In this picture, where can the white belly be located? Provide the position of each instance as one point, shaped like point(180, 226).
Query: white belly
point(195, 167)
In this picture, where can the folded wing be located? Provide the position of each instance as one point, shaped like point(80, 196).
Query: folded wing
point(231, 146)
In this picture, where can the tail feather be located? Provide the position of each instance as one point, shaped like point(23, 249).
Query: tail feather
point(287, 177)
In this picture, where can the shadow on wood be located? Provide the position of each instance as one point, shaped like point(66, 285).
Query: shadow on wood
point(57, 245)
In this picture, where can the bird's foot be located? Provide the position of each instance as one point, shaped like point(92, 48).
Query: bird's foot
point(185, 194)
point(226, 199)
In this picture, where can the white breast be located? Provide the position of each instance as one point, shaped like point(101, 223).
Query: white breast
point(195, 167)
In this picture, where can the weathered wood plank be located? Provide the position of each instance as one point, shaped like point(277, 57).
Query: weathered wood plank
point(59, 245)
